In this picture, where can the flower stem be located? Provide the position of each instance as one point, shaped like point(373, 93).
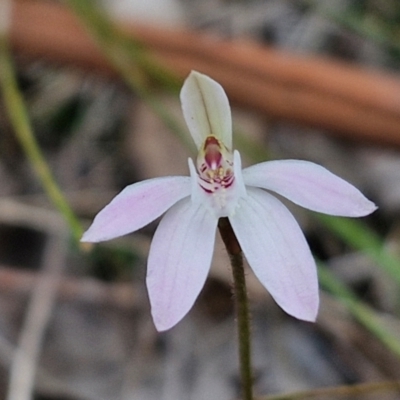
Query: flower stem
point(242, 306)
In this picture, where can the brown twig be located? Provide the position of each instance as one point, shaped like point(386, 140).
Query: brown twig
point(338, 391)
point(88, 290)
point(38, 313)
point(345, 99)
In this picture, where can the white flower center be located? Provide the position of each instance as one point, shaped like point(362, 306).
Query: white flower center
point(216, 178)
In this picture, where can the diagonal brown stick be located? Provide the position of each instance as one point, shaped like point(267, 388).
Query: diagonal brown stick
point(347, 100)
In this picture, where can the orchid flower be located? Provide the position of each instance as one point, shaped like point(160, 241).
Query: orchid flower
point(271, 240)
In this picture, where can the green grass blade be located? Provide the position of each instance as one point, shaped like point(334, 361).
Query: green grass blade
point(358, 235)
point(19, 118)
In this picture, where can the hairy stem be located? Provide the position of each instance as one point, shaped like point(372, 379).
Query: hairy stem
point(242, 306)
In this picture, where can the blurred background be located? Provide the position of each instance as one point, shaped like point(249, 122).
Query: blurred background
point(90, 104)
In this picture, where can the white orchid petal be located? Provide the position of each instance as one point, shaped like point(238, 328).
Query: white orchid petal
point(179, 261)
point(309, 185)
point(206, 109)
point(278, 253)
point(136, 206)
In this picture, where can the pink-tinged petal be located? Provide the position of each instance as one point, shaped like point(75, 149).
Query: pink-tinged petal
point(179, 261)
point(311, 186)
point(278, 253)
point(206, 109)
point(136, 206)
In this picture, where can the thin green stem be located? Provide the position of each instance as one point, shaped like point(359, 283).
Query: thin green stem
point(361, 237)
point(242, 306)
point(107, 32)
point(359, 310)
point(19, 118)
point(132, 62)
